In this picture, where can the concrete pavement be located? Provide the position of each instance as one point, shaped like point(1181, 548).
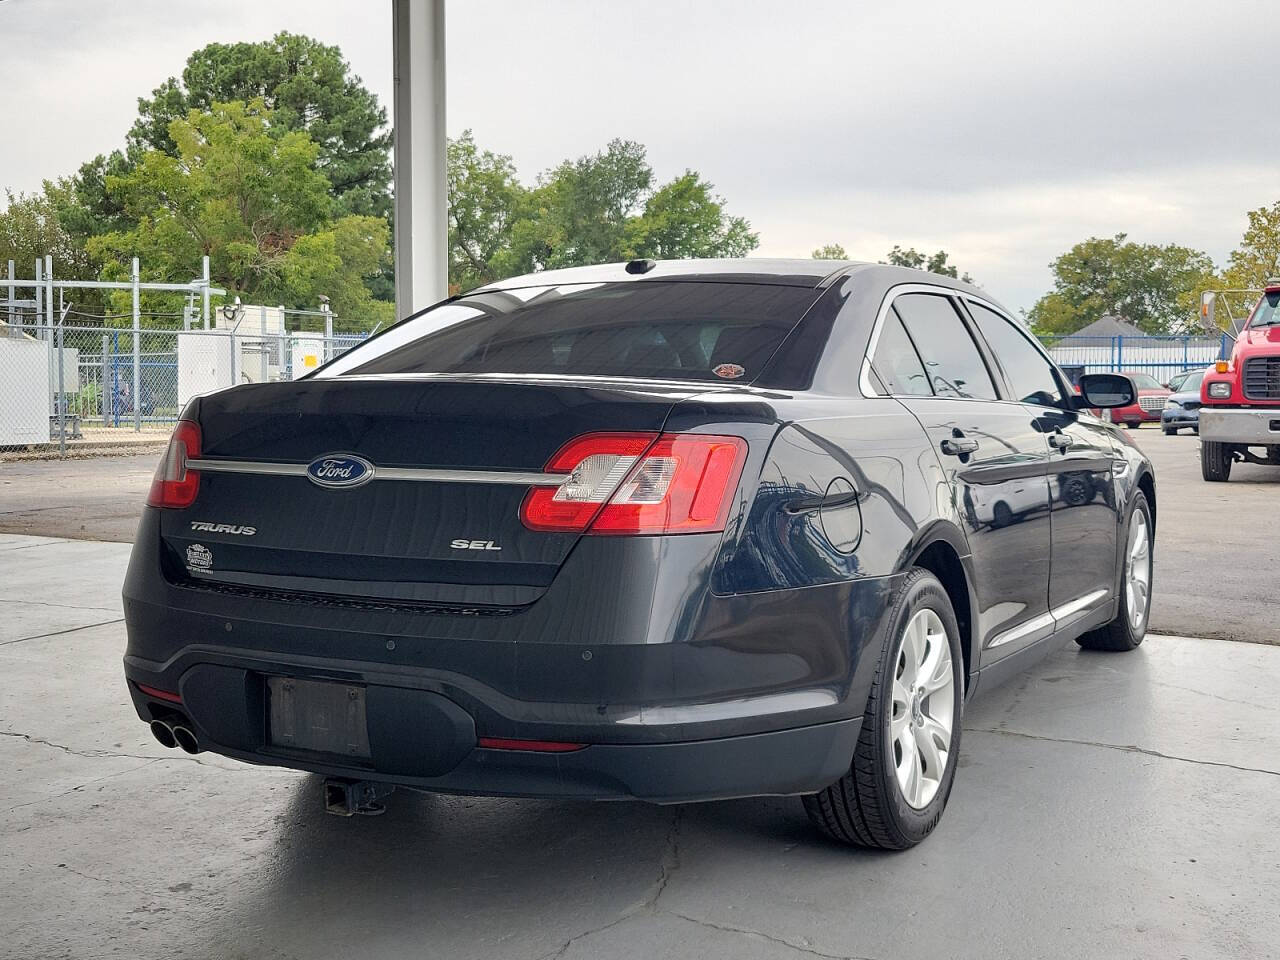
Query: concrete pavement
point(1106, 806)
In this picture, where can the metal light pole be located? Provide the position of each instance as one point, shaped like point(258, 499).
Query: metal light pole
point(137, 350)
point(421, 201)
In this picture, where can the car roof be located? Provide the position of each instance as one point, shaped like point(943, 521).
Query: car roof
point(793, 273)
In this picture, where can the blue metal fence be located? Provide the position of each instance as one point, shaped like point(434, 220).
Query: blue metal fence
point(1161, 357)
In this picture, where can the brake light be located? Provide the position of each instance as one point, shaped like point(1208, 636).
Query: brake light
point(174, 486)
point(639, 483)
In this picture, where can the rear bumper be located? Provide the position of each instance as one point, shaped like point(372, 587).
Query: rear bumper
point(424, 741)
point(1252, 426)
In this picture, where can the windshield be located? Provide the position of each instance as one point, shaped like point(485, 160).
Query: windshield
point(1191, 383)
point(670, 330)
point(1144, 382)
point(1268, 311)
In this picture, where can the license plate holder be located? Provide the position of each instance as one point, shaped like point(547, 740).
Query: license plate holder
point(318, 716)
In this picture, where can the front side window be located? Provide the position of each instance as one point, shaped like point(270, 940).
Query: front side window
point(1029, 373)
point(671, 330)
point(896, 362)
point(951, 358)
point(1267, 313)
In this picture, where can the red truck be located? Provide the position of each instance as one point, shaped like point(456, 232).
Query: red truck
point(1240, 397)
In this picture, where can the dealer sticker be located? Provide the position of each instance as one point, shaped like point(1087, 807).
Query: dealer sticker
point(199, 557)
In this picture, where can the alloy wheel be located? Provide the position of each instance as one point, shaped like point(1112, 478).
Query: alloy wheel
point(923, 710)
point(1137, 571)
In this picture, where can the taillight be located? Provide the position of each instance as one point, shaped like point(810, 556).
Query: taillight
point(639, 483)
point(174, 485)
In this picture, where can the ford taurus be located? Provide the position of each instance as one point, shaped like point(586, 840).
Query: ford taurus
point(672, 531)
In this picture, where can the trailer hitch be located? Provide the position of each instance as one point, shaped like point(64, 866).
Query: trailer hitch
point(347, 798)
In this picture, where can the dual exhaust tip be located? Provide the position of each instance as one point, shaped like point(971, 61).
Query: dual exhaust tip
point(171, 735)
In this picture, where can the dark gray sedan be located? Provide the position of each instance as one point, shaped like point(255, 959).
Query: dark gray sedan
point(1182, 407)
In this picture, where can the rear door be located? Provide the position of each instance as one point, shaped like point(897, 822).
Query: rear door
point(1084, 515)
point(991, 451)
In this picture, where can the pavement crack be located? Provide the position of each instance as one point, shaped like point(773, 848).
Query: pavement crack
point(80, 786)
point(781, 941)
point(59, 633)
point(167, 895)
point(178, 757)
point(1124, 748)
point(668, 864)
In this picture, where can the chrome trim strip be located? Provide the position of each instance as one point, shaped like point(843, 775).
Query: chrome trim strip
point(1047, 620)
point(1026, 628)
point(416, 474)
point(248, 466)
point(1078, 604)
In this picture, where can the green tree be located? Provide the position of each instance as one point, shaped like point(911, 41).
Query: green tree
point(484, 198)
point(604, 208)
point(307, 86)
point(1257, 259)
point(34, 225)
point(685, 219)
point(830, 251)
point(253, 201)
point(1154, 287)
point(935, 263)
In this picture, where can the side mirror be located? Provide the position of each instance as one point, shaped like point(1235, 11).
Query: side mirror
point(1105, 390)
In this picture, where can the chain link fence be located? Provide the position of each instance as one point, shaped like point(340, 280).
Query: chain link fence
point(69, 385)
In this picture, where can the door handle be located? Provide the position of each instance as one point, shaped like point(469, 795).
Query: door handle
point(1060, 441)
point(959, 446)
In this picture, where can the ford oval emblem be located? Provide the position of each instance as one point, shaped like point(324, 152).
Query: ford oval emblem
point(340, 470)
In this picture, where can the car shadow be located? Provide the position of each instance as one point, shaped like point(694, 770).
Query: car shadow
point(489, 877)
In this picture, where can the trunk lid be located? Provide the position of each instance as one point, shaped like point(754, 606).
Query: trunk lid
point(413, 541)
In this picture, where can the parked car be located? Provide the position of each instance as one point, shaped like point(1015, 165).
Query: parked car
point(674, 531)
point(1182, 406)
point(1151, 395)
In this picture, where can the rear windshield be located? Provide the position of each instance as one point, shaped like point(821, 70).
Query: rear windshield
point(672, 330)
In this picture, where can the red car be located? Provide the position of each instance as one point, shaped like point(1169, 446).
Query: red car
point(1151, 396)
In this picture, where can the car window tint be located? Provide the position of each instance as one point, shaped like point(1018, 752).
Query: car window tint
point(683, 330)
point(1028, 371)
point(950, 356)
point(896, 362)
point(1144, 381)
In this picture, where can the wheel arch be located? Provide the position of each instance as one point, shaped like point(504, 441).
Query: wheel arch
point(1147, 484)
point(944, 553)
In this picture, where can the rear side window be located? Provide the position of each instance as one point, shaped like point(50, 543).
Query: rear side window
point(1029, 373)
point(674, 330)
point(951, 358)
point(896, 362)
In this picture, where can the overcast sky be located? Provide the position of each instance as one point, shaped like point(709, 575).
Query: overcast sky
point(1001, 130)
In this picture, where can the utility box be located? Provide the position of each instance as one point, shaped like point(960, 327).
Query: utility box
point(307, 355)
point(25, 391)
point(206, 363)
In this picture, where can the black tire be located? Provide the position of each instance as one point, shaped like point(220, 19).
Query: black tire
point(1119, 635)
point(1133, 426)
point(866, 807)
point(1273, 454)
point(1215, 461)
point(1170, 431)
point(1001, 515)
